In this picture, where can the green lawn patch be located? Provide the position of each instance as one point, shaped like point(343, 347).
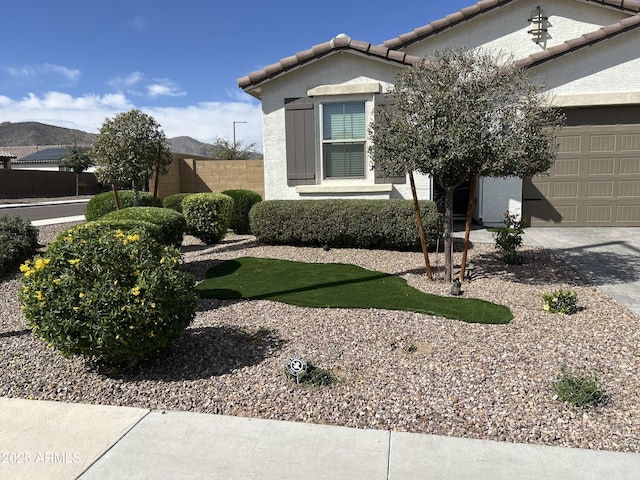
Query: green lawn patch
point(332, 285)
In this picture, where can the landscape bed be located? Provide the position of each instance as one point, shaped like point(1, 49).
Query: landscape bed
point(396, 370)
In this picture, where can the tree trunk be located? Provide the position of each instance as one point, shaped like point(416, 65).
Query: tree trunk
point(156, 181)
point(448, 230)
point(136, 194)
point(467, 229)
point(77, 185)
point(115, 196)
point(423, 237)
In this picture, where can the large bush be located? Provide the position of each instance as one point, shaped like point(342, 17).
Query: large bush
point(208, 215)
point(172, 224)
point(243, 200)
point(112, 296)
point(18, 241)
point(174, 202)
point(104, 203)
point(377, 224)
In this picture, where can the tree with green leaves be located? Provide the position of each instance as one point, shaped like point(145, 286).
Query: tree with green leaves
point(77, 159)
point(223, 149)
point(129, 149)
point(460, 115)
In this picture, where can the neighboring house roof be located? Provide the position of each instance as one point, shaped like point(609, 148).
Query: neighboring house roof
point(340, 43)
point(433, 28)
point(46, 155)
point(390, 49)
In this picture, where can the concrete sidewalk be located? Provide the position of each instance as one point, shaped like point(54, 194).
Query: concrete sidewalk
point(49, 440)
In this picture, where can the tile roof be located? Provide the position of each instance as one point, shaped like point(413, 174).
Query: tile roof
point(390, 50)
point(406, 39)
point(340, 43)
point(585, 40)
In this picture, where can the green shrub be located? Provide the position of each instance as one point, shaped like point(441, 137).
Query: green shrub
point(18, 241)
point(560, 301)
point(376, 224)
point(580, 389)
point(243, 200)
point(111, 296)
point(509, 237)
point(172, 224)
point(208, 215)
point(125, 225)
point(103, 203)
point(174, 202)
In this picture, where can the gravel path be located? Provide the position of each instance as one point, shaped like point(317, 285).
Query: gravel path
point(397, 370)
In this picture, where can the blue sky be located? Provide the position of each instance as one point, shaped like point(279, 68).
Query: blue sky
point(75, 63)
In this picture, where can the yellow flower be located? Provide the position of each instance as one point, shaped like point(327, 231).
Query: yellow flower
point(117, 337)
point(23, 307)
point(151, 334)
point(75, 309)
point(135, 291)
point(75, 261)
point(81, 295)
point(119, 234)
point(26, 289)
point(39, 295)
point(57, 281)
point(162, 260)
point(24, 268)
point(131, 327)
point(69, 238)
point(115, 282)
point(133, 238)
point(137, 273)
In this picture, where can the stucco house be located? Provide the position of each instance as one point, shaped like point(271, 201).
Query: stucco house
point(584, 51)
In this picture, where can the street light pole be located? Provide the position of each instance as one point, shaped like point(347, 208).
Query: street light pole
point(234, 131)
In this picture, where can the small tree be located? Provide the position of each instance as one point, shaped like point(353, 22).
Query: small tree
point(223, 149)
point(129, 149)
point(78, 160)
point(460, 115)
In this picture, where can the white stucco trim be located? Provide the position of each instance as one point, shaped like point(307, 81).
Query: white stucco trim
point(595, 99)
point(345, 89)
point(318, 189)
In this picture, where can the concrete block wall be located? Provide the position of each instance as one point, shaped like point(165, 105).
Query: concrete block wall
point(198, 174)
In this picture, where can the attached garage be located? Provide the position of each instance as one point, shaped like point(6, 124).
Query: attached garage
point(595, 180)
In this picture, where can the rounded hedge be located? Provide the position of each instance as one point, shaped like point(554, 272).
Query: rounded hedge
point(208, 215)
point(111, 296)
point(172, 224)
point(174, 202)
point(125, 225)
point(104, 203)
point(243, 200)
point(18, 241)
point(375, 224)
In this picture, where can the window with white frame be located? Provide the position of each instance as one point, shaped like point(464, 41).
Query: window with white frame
point(343, 140)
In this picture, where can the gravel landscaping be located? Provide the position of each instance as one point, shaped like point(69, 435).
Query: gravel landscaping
point(397, 370)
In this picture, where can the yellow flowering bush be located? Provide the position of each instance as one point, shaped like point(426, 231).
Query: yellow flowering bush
point(111, 295)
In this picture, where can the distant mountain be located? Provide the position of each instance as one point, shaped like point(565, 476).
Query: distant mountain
point(27, 134)
point(189, 145)
point(33, 133)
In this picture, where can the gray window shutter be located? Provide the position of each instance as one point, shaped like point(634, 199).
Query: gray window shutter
point(387, 100)
point(300, 141)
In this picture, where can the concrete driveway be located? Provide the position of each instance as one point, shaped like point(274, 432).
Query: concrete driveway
point(607, 256)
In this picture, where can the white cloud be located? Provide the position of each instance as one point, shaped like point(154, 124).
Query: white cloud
point(129, 81)
point(46, 71)
point(164, 88)
point(202, 121)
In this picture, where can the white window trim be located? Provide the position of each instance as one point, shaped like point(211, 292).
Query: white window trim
point(349, 183)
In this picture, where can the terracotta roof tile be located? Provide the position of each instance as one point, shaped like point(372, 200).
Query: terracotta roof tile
point(406, 39)
point(391, 49)
point(341, 42)
point(585, 40)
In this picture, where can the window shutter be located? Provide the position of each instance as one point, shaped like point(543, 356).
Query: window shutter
point(387, 101)
point(300, 141)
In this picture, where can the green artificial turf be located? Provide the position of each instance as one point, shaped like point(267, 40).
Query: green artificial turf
point(339, 286)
